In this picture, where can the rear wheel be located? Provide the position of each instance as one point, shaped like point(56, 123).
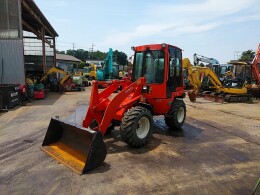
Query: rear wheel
point(136, 126)
point(176, 115)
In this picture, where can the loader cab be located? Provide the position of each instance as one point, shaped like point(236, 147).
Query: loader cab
point(161, 65)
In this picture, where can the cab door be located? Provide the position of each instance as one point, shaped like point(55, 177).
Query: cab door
point(175, 78)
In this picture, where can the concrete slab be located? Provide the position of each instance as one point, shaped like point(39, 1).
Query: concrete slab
point(217, 152)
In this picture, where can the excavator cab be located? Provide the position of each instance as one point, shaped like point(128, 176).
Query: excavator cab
point(156, 88)
point(241, 75)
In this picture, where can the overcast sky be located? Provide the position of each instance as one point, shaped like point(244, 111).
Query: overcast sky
point(213, 28)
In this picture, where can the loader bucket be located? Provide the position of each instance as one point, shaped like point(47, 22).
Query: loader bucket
point(78, 148)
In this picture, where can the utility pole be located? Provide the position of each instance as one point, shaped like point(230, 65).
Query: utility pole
point(237, 54)
point(92, 49)
point(73, 46)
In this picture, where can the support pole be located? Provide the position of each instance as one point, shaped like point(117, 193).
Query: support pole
point(54, 52)
point(43, 51)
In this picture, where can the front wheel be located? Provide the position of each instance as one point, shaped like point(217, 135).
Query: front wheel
point(136, 126)
point(176, 115)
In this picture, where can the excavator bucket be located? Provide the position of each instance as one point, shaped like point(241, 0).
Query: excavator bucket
point(79, 148)
point(192, 95)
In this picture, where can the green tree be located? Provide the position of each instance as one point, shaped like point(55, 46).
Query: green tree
point(82, 65)
point(75, 65)
point(98, 55)
point(120, 57)
point(60, 52)
point(247, 56)
point(70, 52)
point(79, 53)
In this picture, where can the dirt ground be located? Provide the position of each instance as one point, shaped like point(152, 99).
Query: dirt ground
point(217, 152)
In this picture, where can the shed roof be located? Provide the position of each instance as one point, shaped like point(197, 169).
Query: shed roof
point(33, 17)
point(64, 57)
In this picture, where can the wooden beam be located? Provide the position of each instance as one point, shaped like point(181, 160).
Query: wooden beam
point(43, 51)
point(39, 36)
point(32, 29)
point(27, 7)
point(54, 51)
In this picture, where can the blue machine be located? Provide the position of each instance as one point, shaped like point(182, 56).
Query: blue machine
point(109, 70)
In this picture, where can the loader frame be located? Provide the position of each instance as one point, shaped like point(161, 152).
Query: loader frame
point(103, 110)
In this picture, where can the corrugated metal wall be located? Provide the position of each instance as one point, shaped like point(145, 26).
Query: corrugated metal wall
point(10, 19)
point(11, 62)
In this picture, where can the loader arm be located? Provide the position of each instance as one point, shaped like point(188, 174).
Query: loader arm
point(103, 110)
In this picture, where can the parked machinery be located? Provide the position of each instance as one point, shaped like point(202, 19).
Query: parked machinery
point(35, 89)
point(199, 58)
point(211, 63)
point(156, 88)
point(109, 70)
point(255, 88)
point(64, 84)
point(219, 92)
point(246, 72)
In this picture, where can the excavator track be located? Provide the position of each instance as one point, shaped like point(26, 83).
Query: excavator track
point(221, 97)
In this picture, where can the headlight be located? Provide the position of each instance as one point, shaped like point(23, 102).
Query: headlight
point(145, 89)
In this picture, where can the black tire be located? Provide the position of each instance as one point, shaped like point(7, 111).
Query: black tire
point(175, 117)
point(130, 128)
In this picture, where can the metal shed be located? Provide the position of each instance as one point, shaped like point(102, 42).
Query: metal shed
point(20, 22)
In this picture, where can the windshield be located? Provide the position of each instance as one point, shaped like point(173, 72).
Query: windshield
point(223, 70)
point(242, 71)
point(149, 64)
point(115, 71)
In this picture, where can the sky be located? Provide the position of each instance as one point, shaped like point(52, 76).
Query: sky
point(219, 29)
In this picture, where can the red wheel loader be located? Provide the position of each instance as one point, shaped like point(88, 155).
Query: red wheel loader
point(156, 88)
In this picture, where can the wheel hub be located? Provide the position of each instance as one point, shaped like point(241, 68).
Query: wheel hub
point(180, 114)
point(143, 127)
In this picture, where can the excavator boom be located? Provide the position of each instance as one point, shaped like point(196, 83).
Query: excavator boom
point(54, 70)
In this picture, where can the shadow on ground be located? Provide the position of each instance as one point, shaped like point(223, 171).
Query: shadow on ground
point(116, 145)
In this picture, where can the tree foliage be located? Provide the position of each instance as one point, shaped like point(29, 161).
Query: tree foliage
point(82, 65)
point(75, 65)
point(79, 53)
point(60, 52)
point(247, 56)
point(97, 55)
point(120, 57)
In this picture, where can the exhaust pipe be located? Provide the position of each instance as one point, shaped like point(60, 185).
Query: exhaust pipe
point(79, 148)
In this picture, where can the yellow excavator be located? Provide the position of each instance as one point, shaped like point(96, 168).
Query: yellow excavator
point(219, 92)
point(56, 70)
point(66, 83)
